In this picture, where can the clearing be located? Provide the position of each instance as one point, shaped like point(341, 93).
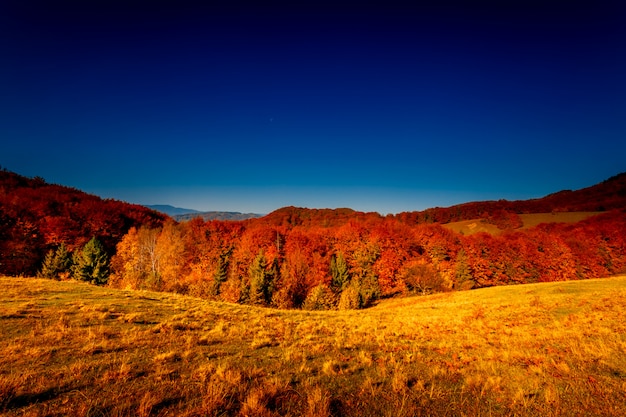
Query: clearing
point(468, 227)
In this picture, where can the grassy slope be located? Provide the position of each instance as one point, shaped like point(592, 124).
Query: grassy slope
point(68, 348)
point(468, 227)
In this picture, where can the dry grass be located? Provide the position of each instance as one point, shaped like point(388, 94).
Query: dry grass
point(556, 349)
point(468, 227)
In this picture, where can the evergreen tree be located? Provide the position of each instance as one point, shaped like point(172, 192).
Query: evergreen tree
point(259, 280)
point(339, 272)
point(369, 289)
point(91, 264)
point(221, 273)
point(364, 276)
point(272, 278)
point(463, 273)
point(56, 263)
point(49, 268)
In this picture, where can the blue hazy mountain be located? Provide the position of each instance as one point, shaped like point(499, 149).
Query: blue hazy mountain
point(183, 214)
point(171, 210)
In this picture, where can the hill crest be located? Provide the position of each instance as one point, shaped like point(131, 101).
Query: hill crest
point(607, 195)
point(36, 216)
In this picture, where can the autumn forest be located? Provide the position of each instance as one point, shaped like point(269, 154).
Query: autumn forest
point(308, 258)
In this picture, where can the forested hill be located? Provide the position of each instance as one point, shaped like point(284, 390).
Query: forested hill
point(298, 216)
point(36, 216)
point(607, 195)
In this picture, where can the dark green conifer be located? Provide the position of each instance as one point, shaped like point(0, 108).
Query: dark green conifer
point(91, 264)
point(339, 272)
point(56, 263)
point(221, 273)
point(462, 273)
point(259, 280)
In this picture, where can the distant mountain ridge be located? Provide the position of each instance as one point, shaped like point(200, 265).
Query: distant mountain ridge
point(217, 215)
point(183, 214)
point(170, 210)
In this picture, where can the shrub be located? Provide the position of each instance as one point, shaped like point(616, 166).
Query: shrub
point(423, 278)
point(350, 299)
point(320, 298)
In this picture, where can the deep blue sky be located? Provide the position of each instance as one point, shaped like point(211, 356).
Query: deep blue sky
point(251, 108)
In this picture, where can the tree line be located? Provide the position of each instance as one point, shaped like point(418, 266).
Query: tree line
point(89, 263)
point(353, 264)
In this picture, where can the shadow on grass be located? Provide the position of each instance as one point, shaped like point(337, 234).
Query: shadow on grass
point(24, 400)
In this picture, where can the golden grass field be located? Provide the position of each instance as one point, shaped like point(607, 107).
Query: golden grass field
point(468, 227)
point(555, 349)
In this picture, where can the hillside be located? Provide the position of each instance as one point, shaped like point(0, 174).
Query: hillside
point(554, 349)
point(298, 216)
point(36, 216)
point(605, 196)
point(527, 221)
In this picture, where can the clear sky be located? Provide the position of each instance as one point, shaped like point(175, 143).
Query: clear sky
point(240, 107)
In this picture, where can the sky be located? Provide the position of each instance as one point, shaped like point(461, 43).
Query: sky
point(252, 106)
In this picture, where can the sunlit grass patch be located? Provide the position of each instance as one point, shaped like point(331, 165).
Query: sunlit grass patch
point(74, 349)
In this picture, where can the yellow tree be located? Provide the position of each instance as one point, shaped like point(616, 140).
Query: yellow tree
point(127, 271)
point(135, 264)
point(169, 252)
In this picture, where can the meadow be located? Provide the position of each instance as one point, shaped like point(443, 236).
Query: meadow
point(550, 349)
point(469, 227)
